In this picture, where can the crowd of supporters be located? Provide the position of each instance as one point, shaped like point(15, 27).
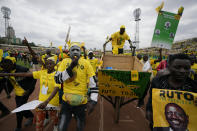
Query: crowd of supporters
point(59, 74)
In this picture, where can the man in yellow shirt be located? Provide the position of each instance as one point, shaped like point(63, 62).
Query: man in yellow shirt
point(93, 61)
point(23, 89)
point(47, 55)
point(48, 92)
point(1, 54)
point(118, 41)
point(193, 70)
point(73, 73)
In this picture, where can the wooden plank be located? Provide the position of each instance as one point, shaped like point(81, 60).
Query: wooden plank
point(118, 62)
point(138, 65)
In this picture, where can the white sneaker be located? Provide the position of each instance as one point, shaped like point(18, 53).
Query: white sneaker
point(55, 128)
point(46, 121)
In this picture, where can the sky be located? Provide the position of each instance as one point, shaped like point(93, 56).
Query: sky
point(91, 21)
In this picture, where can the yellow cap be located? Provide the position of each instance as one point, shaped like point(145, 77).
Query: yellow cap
point(122, 26)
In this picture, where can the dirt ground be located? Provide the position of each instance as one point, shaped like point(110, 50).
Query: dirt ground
point(102, 119)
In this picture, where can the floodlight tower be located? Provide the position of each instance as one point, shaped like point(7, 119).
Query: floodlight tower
point(136, 14)
point(6, 15)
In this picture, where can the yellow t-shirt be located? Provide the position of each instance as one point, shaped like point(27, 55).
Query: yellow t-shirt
point(115, 50)
point(47, 80)
point(100, 63)
point(154, 67)
point(19, 91)
point(1, 54)
point(118, 39)
point(82, 72)
point(194, 67)
point(94, 63)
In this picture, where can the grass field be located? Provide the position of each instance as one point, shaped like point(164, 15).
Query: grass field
point(22, 63)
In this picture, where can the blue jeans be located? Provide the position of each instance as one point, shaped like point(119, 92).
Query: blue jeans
point(66, 115)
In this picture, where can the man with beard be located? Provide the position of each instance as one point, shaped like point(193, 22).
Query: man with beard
point(176, 79)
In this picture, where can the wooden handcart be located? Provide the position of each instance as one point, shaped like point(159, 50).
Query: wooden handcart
point(121, 81)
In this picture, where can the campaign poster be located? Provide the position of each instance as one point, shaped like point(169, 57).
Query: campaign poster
point(165, 30)
point(174, 110)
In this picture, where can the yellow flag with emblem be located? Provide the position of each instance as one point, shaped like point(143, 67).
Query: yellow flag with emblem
point(134, 75)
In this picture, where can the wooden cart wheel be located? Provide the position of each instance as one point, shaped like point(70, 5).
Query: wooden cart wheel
point(117, 109)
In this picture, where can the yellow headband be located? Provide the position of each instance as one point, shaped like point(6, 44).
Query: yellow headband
point(11, 58)
point(75, 44)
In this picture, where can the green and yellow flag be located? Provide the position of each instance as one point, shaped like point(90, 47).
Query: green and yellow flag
point(121, 83)
point(165, 29)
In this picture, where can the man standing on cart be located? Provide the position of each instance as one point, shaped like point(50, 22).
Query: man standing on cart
point(118, 41)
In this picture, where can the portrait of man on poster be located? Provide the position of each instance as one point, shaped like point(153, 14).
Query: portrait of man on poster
point(176, 117)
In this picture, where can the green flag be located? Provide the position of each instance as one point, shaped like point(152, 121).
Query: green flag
point(165, 30)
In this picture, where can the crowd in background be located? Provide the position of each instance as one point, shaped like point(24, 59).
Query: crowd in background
point(153, 59)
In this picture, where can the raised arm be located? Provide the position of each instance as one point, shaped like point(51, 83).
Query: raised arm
point(160, 56)
point(35, 57)
point(25, 42)
point(104, 45)
point(62, 76)
point(29, 74)
point(132, 47)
